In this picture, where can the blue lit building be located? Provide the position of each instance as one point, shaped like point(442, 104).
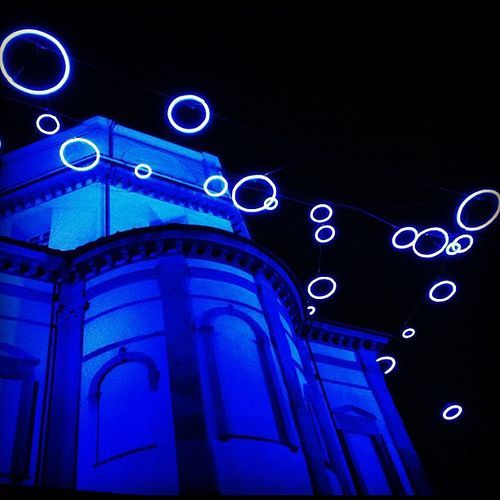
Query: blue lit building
point(148, 346)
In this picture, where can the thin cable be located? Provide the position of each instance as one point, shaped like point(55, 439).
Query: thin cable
point(294, 162)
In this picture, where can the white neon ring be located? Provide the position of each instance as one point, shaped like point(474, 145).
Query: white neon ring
point(441, 283)
point(65, 144)
point(321, 205)
point(470, 197)
point(408, 333)
point(430, 255)
point(144, 166)
point(391, 360)
point(452, 249)
point(47, 132)
point(401, 230)
point(457, 408)
point(321, 297)
point(42, 34)
point(324, 228)
point(271, 203)
point(213, 178)
point(188, 97)
point(311, 310)
point(267, 203)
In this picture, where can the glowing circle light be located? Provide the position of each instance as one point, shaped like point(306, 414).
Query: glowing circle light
point(452, 412)
point(391, 360)
point(408, 333)
point(455, 246)
point(439, 285)
point(437, 252)
point(81, 140)
point(138, 171)
point(311, 310)
point(212, 178)
point(318, 207)
point(403, 230)
point(471, 197)
point(183, 98)
point(326, 295)
point(41, 34)
point(45, 116)
point(269, 204)
point(330, 237)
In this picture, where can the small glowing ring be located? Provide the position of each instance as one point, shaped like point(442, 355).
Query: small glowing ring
point(391, 360)
point(42, 34)
point(401, 230)
point(65, 144)
point(149, 171)
point(455, 247)
point(322, 297)
point(321, 205)
point(311, 310)
point(441, 283)
point(457, 408)
point(213, 178)
point(430, 255)
point(269, 203)
point(188, 97)
point(408, 333)
point(470, 197)
point(324, 228)
point(47, 132)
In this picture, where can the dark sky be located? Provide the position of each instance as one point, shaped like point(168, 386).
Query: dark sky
point(394, 112)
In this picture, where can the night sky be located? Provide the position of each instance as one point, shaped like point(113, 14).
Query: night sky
point(393, 112)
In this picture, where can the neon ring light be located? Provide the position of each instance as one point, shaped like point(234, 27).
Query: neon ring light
point(41, 34)
point(270, 203)
point(311, 310)
point(437, 252)
point(402, 230)
point(408, 333)
point(189, 97)
point(469, 198)
point(45, 131)
point(215, 194)
point(65, 144)
point(392, 363)
point(455, 410)
point(324, 228)
point(145, 175)
point(326, 295)
point(455, 247)
point(440, 284)
point(319, 206)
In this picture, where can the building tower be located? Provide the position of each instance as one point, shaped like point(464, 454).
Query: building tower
point(148, 346)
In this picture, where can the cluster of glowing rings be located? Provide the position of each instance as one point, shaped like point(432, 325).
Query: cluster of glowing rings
point(454, 410)
point(469, 198)
point(311, 310)
point(324, 228)
point(212, 178)
point(391, 360)
point(270, 203)
point(139, 168)
point(439, 285)
point(81, 140)
point(326, 295)
point(408, 333)
point(41, 34)
point(188, 97)
point(414, 240)
point(455, 247)
point(56, 128)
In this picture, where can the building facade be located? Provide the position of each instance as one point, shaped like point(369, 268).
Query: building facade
point(148, 346)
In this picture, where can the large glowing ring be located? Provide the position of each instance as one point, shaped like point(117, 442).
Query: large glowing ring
point(322, 297)
point(65, 144)
point(214, 178)
point(402, 230)
point(324, 228)
point(452, 408)
point(311, 310)
point(439, 284)
point(429, 255)
point(391, 360)
point(455, 247)
point(408, 333)
point(188, 97)
point(143, 166)
point(470, 197)
point(321, 205)
point(269, 203)
point(44, 131)
point(42, 34)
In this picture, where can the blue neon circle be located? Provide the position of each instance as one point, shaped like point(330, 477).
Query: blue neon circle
point(215, 194)
point(471, 197)
point(270, 203)
point(439, 285)
point(391, 360)
point(452, 408)
point(437, 252)
point(82, 140)
point(45, 131)
point(403, 230)
point(188, 97)
point(147, 168)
